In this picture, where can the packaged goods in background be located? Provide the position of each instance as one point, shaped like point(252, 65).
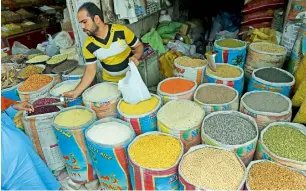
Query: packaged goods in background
point(103, 98)
point(272, 79)
point(290, 33)
point(216, 97)
point(107, 141)
point(266, 107)
point(231, 130)
point(141, 116)
point(231, 51)
point(153, 161)
point(175, 88)
point(183, 119)
point(213, 168)
point(284, 143)
point(189, 68)
point(38, 126)
point(268, 175)
point(254, 6)
point(70, 125)
point(230, 75)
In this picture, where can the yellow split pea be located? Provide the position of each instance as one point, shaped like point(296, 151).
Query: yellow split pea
point(140, 108)
point(155, 151)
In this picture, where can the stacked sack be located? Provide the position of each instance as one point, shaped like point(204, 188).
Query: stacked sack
point(259, 14)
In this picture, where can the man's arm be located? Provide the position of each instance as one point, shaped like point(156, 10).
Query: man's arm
point(138, 53)
point(90, 73)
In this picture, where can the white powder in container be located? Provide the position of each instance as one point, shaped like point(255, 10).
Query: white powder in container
point(101, 92)
point(64, 87)
point(109, 133)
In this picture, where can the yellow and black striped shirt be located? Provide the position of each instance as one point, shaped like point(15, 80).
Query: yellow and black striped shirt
point(113, 52)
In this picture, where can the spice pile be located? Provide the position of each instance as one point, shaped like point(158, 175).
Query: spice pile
point(38, 59)
point(273, 75)
point(44, 109)
point(101, 92)
point(68, 65)
point(225, 71)
point(266, 102)
point(268, 47)
point(156, 151)
point(8, 79)
point(190, 62)
point(142, 107)
point(176, 85)
point(229, 43)
point(213, 169)
point(181, 114)
point(286, 142)
point(229, 129)
point(213, 94)
point(30, 70)
point(73, 118)
point(271, 176)
point(35, 82)
point(57, 59)
point(78, 71)
point(109, 133)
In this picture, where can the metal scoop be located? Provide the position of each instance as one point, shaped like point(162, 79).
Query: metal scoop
point(210, 55)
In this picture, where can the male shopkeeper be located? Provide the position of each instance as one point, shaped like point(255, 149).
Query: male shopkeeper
point(112, 44)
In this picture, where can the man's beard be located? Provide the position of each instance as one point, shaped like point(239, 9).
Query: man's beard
point(93, 30)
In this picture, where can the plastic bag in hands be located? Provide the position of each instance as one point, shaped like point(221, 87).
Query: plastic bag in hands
point(132, 87)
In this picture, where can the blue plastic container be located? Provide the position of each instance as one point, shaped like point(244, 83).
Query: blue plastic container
point(72, 144)
point(233, 56)
point(110, 161)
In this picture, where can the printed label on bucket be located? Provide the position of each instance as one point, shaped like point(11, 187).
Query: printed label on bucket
point(143, 124)
point(74, 150)
point(111, 166)
point(143, 179)
point(255, 85)
point(104, 109)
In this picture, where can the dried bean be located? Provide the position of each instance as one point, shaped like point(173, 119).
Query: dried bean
point(213, 169)
point(30, 70)
point(286, 142)
point(229, 129)
point(215, 94)
point(46, 109)
point(65, 66)
point(273, 75)
point(266, 102)
point(271, 176)
point(35, 82)
point(268, 47)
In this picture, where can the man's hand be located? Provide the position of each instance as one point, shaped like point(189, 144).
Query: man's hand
point(72, 94)
point(24, 106)
point(135, 60)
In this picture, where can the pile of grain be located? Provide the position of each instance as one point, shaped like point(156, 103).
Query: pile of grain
point(181, 114)
point(225, 71)
point(214, 94)
point(273, 75)
point(64, 87)
point(268, 48)
point(35, 82)
point(101, 92)
point(190, 62)
point(156, 151)
point(139, 108)
point(213, 169)
point(73, 118)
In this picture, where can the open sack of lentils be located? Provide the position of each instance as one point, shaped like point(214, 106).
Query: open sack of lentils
point(239, 127)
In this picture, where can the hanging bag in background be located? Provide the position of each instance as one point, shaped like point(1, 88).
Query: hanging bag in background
point(132, 87)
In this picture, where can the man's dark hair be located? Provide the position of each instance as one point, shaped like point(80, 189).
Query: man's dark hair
point(92, 10)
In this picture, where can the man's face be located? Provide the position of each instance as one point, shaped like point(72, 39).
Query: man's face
point(87, 24)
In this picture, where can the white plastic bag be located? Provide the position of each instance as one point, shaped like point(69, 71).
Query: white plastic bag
point(132, 87)
point(63, 40)
point(19, 48)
